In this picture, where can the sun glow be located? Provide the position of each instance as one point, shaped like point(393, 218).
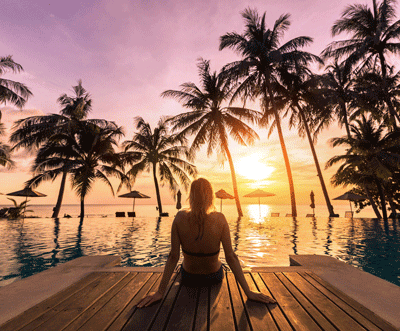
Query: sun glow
point(252, 168)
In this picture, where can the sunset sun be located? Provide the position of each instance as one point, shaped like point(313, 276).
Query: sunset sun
point(252, 168)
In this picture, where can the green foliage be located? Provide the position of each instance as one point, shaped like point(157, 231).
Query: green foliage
point(18, 210)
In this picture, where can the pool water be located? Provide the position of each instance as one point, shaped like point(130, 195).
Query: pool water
point(36, 244)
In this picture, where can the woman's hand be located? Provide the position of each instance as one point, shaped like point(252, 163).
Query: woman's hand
point(150, 299)
point(261, 297)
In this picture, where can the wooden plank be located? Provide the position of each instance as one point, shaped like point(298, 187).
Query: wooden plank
point(167, 306)
point(221, 314)
point(295, 313)
point(111, 299)
point(275, 310)
point(29, 315)
point(143, 317)
point(332, 312)
point(306, 304)
point(60, 316)
point(183, 314)
point(239, 311)
point(202, 314)
point(133, 292)
point(345, 301)
point(259, 315)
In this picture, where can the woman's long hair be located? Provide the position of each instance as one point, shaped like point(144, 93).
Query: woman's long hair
point(201, 200)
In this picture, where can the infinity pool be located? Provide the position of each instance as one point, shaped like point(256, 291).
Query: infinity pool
point(30, 246)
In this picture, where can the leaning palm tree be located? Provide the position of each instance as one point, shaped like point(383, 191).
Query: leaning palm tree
point(371, 157)
point(35, 131)
point(374, 34)
point(209, 120)
point(262, 54)
point(158, 152)
point(295, 93)
point(87, 154)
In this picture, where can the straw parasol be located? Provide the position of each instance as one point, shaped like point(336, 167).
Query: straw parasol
point(27, 192)
point(259, 194)
point(351, 197)
point(134, 195)
point(222, 194)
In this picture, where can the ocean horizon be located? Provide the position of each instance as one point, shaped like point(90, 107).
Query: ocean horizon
point(142, 210)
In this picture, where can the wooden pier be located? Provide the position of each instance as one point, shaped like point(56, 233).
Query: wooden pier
point(107, 301)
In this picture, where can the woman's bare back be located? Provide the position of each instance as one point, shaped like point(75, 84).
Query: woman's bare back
point(208, 243)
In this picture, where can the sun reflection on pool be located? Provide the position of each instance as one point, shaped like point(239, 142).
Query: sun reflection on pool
point(258, 213)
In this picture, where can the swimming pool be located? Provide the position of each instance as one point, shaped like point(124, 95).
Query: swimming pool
point(30, 246)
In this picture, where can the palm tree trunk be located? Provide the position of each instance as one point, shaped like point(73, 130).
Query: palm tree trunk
point(321, 178)
point(56, 209)
point(284, 152)
point(82, 215)
point(383, 200)
point(373, 204)
point(345, 119)
point(157, 189)
point(233, 174)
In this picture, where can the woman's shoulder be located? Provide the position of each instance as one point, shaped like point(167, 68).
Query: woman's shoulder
point(182, 215)
point(217, 215)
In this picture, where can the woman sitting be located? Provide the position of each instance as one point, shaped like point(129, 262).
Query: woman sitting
point(200, 232)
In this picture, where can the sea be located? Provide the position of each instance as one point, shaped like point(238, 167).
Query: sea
point(38, 242)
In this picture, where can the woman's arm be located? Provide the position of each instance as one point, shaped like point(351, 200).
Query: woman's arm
point(169, 268)
point(233, 262)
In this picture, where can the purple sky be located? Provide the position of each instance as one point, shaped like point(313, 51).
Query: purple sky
point(128, 52)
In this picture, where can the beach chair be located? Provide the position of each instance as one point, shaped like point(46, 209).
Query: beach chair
point(310, 215)
point(274, 214)
point(348, 214)
point(289, 215)
point(164, 214)
point(119, 214)
point(131, 214)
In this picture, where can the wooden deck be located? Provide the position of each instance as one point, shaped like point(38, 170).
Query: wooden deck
point(107, 301)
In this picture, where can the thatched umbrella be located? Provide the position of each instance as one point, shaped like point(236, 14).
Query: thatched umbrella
point(134, 195)
point(222, 194)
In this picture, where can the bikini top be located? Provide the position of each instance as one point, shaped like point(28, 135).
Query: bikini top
point(200, 254)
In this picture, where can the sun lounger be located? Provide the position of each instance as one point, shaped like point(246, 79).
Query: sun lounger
point(131, 214)
point(348, 214)
point(289, 215)
point(119, 214)
point(274, 214)
point(310, 215)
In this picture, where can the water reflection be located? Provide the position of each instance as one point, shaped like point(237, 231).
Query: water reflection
point(258, 213)
point(294, 235)
point(37, 244)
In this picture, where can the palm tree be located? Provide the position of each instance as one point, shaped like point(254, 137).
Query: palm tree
point(14, 93)
point(209, 120)
point(295, 93)
point(337, 96)
point(262, 54)
point(5, 150)
point(371, 157)
point(374, 33)
point(86, 154)
point(159, 152)
point(10, 91)
point(35, 131)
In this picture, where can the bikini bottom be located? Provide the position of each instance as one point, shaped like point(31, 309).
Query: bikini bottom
point(197, 280)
